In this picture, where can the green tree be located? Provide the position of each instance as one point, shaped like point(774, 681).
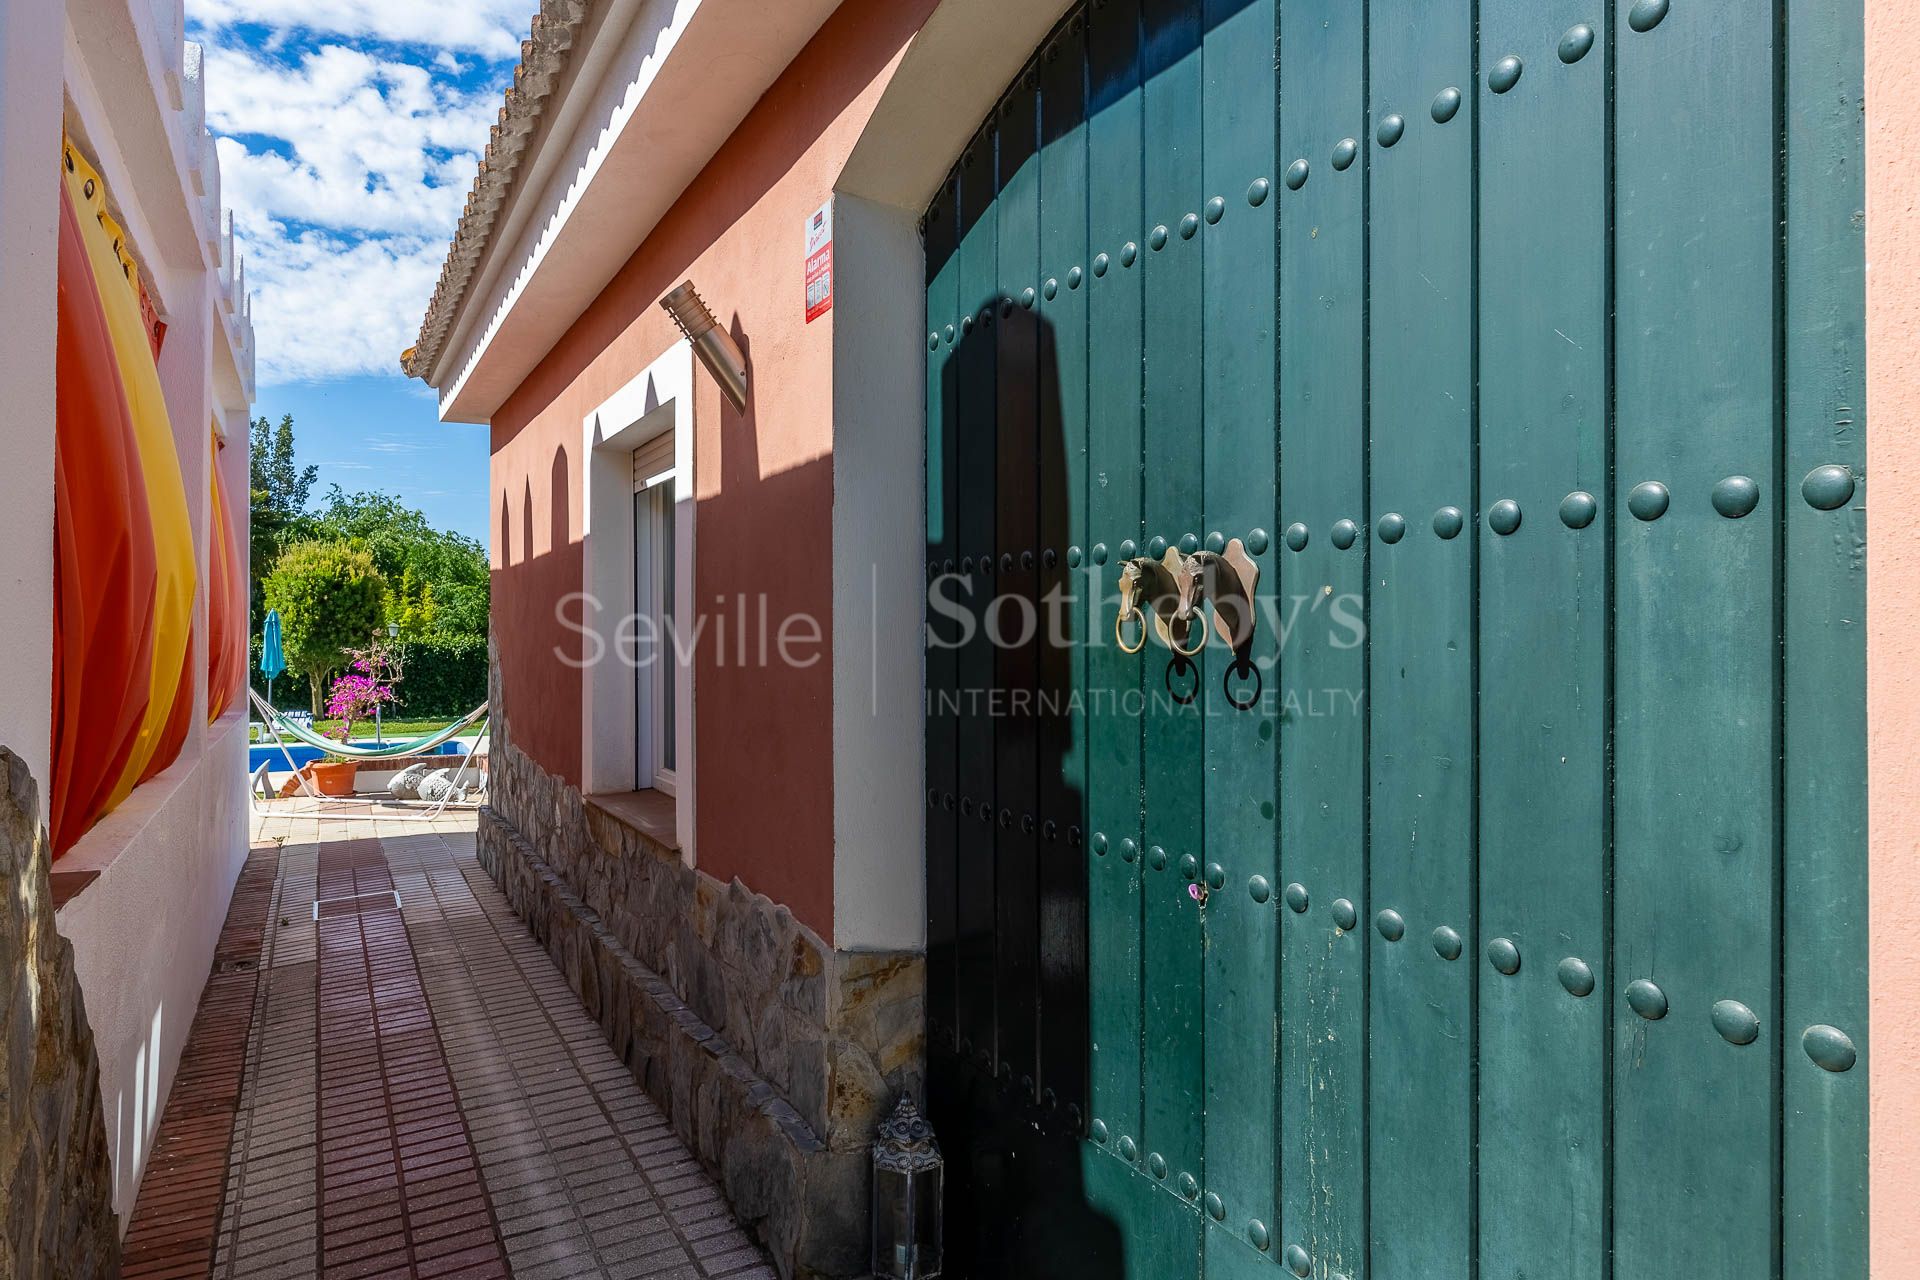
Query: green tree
point(278, 492)
point(414, 557)
point(329, 595)
point(412, 606)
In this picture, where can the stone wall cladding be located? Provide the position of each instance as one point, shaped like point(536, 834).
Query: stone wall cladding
point(775, 1055)
point(56, 1187)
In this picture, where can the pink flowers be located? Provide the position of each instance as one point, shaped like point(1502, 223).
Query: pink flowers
point(364, 689)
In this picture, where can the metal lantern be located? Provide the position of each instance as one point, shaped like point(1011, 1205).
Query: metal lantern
point(715, 346)
point(908, 1174)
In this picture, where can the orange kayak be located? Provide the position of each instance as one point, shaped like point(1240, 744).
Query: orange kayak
point(115, 281)
point(103, 559)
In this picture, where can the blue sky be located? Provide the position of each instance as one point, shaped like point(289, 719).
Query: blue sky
point(349, 134)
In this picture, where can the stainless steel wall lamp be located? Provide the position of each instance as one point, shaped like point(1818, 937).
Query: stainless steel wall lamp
point(715, 346)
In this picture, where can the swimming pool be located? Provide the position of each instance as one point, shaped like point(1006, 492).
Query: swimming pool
point(276, 762)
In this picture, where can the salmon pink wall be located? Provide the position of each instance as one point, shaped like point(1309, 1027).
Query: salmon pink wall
point(764, 479)
point(1893, 632)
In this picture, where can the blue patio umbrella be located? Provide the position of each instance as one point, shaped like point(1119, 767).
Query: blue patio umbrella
point(272, 661)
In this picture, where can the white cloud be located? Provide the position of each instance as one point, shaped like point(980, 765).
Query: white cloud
point(326, 306)
point(377, 145)
point(393, 444)
point(346, 181)
point(490, 27)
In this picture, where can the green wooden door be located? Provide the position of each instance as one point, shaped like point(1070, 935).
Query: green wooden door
point(1495, 909)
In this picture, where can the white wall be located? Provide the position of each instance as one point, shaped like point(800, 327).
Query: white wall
point(29, 236)
point(143, 934)
point(879, 590)
point(145, 929)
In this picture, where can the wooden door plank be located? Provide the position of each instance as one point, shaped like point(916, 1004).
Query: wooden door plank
point(1015, 583)
point(1420, 636)
point(1237, 321)
point(1157, 1236)
point(1322, 739)
point(1169, 265)
point(1543, 607)
point(1824, 881)
point(1114, 522)
point(942, 706)
point(1063, 537)
point(975, 660)
point(1230, 1255)
point(1696, 709)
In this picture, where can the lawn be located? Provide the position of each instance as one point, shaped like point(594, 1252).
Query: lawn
point(391, 731)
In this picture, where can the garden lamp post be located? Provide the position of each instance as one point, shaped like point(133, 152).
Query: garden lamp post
point(379, 739)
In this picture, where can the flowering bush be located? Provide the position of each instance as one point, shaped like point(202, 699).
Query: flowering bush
point(364, 689)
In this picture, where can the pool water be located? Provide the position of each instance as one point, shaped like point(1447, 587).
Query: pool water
point(276, 760)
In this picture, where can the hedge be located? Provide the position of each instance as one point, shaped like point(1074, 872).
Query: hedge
point(444, 676)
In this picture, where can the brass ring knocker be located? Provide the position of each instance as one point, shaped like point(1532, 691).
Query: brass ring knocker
point(1128, 613)
point(1190, 584)
point(1152, 582)
point(1227, 579)
point(1177, 605)
point(1194, 627)
point(1130, 588)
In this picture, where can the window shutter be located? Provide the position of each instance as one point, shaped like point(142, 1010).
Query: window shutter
point(651, 460)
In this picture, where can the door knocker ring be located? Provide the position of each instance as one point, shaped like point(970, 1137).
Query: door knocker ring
point(1190, 593)
point(1149, 583)
point(1195, 626)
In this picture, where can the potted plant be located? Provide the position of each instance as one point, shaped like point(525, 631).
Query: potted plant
point(366, 687)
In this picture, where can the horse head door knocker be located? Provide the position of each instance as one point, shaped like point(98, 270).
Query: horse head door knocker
point(1171, 598)
point(1228, 579)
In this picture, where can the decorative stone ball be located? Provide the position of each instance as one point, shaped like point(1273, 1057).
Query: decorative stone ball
point(406, 783)
point(438, 786)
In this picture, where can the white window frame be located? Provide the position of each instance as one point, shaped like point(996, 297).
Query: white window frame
point(658, 402)
point(653, 471)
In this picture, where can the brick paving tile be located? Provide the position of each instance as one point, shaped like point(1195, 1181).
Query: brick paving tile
point(390, 1130)
point(176, 1216)
point(409, 1091)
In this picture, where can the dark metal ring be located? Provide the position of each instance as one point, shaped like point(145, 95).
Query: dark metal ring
point(1246, 670)
point(1181, 662)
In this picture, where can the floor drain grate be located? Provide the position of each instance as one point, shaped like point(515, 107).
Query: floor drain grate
point(359, 904)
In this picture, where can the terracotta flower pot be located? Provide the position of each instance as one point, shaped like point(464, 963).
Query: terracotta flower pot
point(333, 777)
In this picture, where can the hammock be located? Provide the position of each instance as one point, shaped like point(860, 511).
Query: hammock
point(392, 750)
point(428, 811)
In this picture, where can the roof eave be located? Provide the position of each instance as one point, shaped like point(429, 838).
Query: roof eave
point(687, 72)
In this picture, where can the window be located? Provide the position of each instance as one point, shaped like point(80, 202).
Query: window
point(637, 732)
point(655, 753)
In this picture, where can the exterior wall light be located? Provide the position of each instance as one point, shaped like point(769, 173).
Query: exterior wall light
point(908, 1194)
point(714, 345)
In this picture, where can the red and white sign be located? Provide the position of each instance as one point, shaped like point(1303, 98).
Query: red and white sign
point(820, 262)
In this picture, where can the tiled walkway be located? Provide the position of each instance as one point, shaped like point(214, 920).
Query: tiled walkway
point(372, 1090)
